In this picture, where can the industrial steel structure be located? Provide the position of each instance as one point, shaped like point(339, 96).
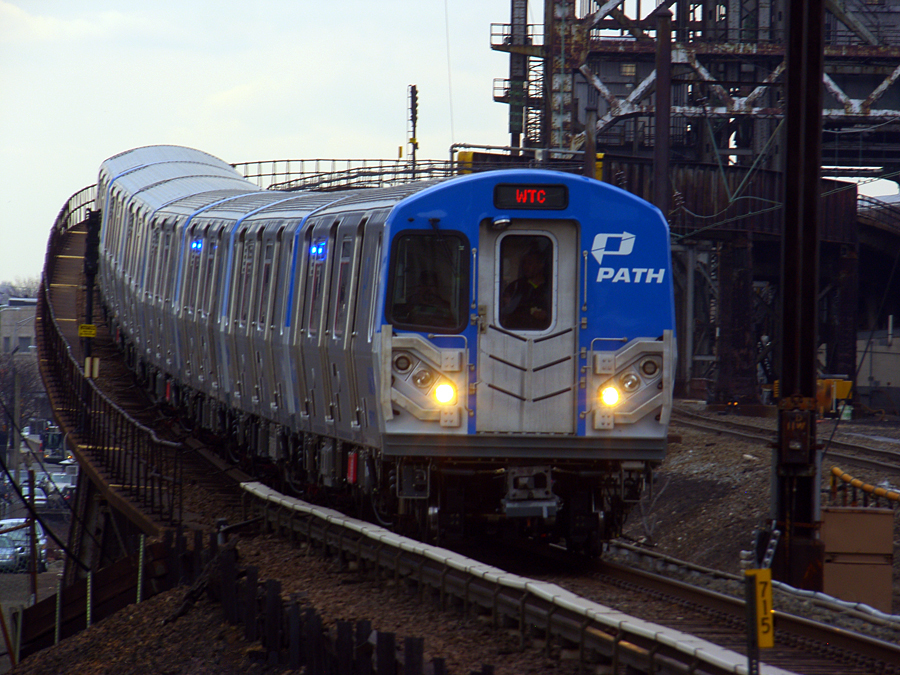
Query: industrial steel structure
point(712, 157)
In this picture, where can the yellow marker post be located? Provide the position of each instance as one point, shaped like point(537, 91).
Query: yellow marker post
point(760, 615)
point(765, 615)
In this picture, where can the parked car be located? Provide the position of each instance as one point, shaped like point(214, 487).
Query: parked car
point(11, 554)
point(40, 496)
point(18, 530)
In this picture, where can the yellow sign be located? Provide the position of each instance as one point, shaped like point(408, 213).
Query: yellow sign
point(87, 330)
point(765, 619)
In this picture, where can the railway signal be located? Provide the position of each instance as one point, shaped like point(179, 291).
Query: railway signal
point(413, 118)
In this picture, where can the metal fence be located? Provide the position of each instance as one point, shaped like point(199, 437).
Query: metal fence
point(130, 455)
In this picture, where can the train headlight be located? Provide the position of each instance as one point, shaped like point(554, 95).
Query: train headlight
point(445, 393)
point(423, 378)
point(609, 396)
point(630, 382)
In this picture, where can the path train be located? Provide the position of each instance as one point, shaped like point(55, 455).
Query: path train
point(480, 351)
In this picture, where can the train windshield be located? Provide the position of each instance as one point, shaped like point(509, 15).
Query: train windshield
point(429, 281)
point(526, 274)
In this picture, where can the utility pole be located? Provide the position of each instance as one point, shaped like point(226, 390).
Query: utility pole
point(15, 452)
point(91, 266)
point(663, 110)
point(799, 560)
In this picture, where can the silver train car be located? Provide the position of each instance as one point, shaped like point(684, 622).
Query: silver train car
point(486, 351)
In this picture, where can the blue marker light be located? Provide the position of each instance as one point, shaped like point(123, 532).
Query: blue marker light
point(197, 245)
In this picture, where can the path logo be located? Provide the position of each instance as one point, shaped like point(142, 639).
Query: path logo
point(622, 244)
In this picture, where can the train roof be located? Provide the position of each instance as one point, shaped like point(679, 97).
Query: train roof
point(158, 154)
point(162, 175)
point(180, 181)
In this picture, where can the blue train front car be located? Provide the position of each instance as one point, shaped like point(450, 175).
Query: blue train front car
point(527, 353)
point(469, 352)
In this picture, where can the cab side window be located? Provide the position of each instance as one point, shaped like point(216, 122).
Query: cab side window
point(429, 281)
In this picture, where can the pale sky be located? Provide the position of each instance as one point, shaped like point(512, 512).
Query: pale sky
point(82, 80)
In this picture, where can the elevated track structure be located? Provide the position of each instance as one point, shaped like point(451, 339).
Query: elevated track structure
point(130, 481)
point(591, 74)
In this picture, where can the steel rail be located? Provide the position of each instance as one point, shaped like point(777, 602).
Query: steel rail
point(886, 458)
point(785, 623)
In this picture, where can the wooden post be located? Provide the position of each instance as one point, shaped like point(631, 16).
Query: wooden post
point(294, 633)
point(229, 585)
point(344, 648)
point(248, 605)
point(385, 653)
point(273, 620)
point(413, 656)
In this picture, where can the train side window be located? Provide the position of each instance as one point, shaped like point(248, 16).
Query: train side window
point(343, 296)
point(373, 263)
point(210, 279)
point(112, 237)
point(162, 252)
point(268, 257)
point(130, 236)
point(315, 272)
point(165, 273)
point(280, 293)
point(234, 299)
point(153, 257)
point(273, 299)
point(120, 225)
point(195, 251)
point(429, 281)
point(243, 280)
point(140, 263)
point(526, 282)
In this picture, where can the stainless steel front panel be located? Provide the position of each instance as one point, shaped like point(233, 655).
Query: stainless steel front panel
point(527, 378)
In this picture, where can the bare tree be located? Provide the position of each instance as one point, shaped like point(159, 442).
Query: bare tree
point(33, 396)
point(22, 287)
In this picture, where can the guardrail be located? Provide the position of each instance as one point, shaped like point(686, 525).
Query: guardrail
point(129, 453)
point(597, 632)
point(851, 485)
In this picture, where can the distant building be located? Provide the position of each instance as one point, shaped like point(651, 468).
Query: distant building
point(17, 326)
point(878, 381)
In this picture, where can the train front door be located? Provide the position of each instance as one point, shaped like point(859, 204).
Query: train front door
point(527, 337)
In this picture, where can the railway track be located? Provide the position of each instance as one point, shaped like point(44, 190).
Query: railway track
point(835, 449)
point(802, 645)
